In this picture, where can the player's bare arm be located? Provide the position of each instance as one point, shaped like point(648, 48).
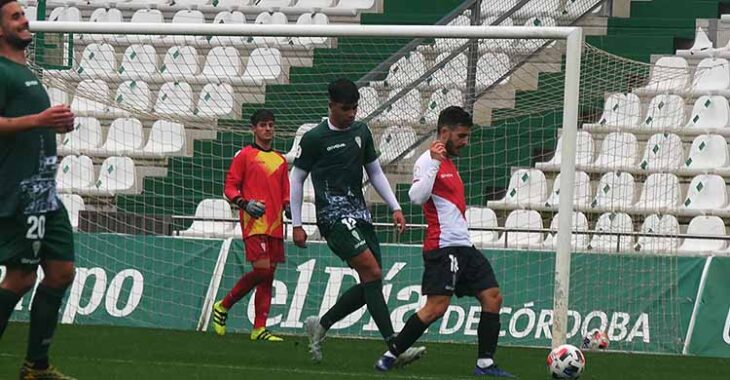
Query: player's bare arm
point(58, 117)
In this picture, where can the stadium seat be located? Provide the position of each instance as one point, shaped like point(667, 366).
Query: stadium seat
point(70, 14)
point(403, 72)
point(528, 46)
point(582, 194)
point(57, 96)
point(223, 64)
point(116, 176)
point(395, 141)
point(131, 96)
point(276, 18)
point(614, 223)
point(496, 45)
point(481, 217)
point(667, 74)
point(710, 112)
point(527, 187)
point(576, 8)
point(304, 128)
point(215, 101)
point(85, 136)
point(210, 209)
point(104, 15)
point(273, 4)
point(708, 152)
point(97, 61)
point(139, 63)
point(656, 224)
point(166, 138)
point(190, 3)
point(664, 152)
point(451, 75)
point(491, 67)
point(449, 44)
point(538, 7)
point(355, 5)
point(125, 135)
point(185, 16)
point(620, 110)
point(406, 110)
point(496, 7)
point(704, 225)
point(711, 75)
point(618, 152)
point(577, 241)
point(264, 65)
point(74, 173)
point(180, 62)
point(310, 19)
point(661, 192)
point(315, 4)
point(368, 103)
point(73, 204)
point(228, 17)
point(584, 152)
point(153, 16)
point(706, 192)
point(175, 98)
point(615, 191)
point(701, 47)
point(664, 112)
point(521, 219)
point(439, 100)
point(85, 100)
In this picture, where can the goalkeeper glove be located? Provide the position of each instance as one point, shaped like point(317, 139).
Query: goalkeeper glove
point(252, 207)
point(287, 211)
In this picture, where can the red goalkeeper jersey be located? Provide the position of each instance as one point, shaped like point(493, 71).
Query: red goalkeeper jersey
point(262, 175)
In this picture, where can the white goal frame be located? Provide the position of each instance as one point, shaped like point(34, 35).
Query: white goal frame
point(574, 43)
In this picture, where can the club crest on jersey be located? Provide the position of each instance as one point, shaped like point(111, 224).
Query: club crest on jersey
point(358, 141)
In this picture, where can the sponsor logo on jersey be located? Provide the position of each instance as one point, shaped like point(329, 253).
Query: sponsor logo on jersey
point(446, 175)
point(30, 83)
point(336, 146)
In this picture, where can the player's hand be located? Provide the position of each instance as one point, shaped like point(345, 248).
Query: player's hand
point(299, 236)
point(59, 118)
point(287, 211)
point(438, 150)
point(399, 221)
point(253, 207)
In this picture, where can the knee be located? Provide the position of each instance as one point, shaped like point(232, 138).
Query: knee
point(433, 311)
point(371, 273)
point(493, 301)
point(61, 278)
point(20, 282)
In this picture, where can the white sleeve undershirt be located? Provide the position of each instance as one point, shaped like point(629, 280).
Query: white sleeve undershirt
point(424, 176)
point(381, 185)
point(296, 194)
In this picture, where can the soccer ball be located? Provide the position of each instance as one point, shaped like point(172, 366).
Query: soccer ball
point(595, 340)
point(566, 362)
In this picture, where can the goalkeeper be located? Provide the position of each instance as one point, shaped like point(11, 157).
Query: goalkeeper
point(257, 182)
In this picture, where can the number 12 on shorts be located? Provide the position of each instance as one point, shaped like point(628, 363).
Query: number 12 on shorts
point(350, 223)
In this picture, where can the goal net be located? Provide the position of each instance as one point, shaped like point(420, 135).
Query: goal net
point(160, 116)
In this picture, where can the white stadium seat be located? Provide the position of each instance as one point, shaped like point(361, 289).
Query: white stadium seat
point(104, 15)
point(315, 4)
point(701, 47)
point(210, 209)
point(708, 226)
point(153, 16)
point(708, 152)
point(223, 64)
point(395, 141)
point(273, 3)
point(139, 63)
point(406, 110)
point(664, 112)
point(71, 14)
point(706, 192)
point(175, 98)
point(614, 223)
point(661, 192)
point(451, 75)
point(527, 187)
point(528, 46)
point(664, 151)
point(585, 150)
point(228, 17)
point(97, 61)
point(439, 100)
point(618, 152)
point(582, 194)
point(304, 128)
point(449, 44)
point(710, 112)
point(620, 110)
point(667, 74)
point(215, 101)
point(166, 138)
point(85, 136)
point(264, 65)
point(368, 102)
point(496, 7)
point(73, 204)
point(481, 217)
point(577, 241)
point(711, 74)
point(180, 62)
point(131, 95)
point(356, 4)
point(74, 173)
point(116, 176)
point(276, 18)
point(663, 225)
point(490, 68)
point(125, 135)
point(310, 19)
point(85, 101)
point(496, 44)
point(522, 219)
point(615, 191)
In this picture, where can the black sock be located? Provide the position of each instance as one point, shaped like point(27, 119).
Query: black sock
point(8, 300)
point(488, 334)
point(353, 299)
point(43, 320)
point(378, 309)
point(413, 330)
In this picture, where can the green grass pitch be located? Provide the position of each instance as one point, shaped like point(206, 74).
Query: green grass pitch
point(98, 352)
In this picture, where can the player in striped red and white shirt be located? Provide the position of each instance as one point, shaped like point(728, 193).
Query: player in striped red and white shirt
point(452, 266)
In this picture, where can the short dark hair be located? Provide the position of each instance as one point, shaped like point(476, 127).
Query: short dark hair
point(343, 91)
point(262, 114)
point(453, 116)
point(4, 2)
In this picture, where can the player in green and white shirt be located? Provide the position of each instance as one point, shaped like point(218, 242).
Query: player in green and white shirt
point(334, 153)
point(34, 226)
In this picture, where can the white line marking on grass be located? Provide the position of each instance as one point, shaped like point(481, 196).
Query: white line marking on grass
point(360, 375)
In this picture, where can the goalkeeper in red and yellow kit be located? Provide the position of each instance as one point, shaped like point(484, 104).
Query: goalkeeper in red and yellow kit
point(258, 183)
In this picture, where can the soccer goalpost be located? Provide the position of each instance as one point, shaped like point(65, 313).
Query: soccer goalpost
point(521, 86)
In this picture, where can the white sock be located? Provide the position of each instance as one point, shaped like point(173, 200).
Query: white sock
point(485, 362)
point(389, 354)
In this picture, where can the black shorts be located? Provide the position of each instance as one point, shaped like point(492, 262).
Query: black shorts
point(463, 271)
